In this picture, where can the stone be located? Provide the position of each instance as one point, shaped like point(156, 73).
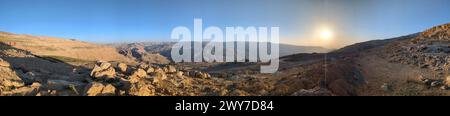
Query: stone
point(36, 85)
point(423, 80)
point(9, 78)
point(61, 84)
point(142, 89)
point(202, 75)
point(150, 69)
point(238, 92)
point(313, 92)
point(23, 91)
point(143, 66)
point(122, 67)
point(93, 89)
point(386, 87)
point(158, 69)
point(444, 87)
point(103, 70)
point(30, 77)
point(137, 76)
point(447, 80)
point(3, 63)
point(436, 83)
point(99, 89)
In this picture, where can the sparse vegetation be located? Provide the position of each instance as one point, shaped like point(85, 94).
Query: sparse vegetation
point(64, 59)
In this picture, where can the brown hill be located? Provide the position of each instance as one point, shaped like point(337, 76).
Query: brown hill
point(63, 49)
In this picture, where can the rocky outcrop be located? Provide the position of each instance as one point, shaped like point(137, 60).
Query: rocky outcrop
point(103, 70)
point(8, 77)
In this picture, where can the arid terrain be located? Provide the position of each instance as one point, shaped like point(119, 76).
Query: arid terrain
point(416, 64)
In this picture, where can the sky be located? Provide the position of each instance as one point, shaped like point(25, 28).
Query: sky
point(300, 21)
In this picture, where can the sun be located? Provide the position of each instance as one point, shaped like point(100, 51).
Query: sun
point(326, 34)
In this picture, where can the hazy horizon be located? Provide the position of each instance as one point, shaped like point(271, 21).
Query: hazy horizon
point(110, 21)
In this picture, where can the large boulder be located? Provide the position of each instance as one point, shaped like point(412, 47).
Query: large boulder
point(150, 69)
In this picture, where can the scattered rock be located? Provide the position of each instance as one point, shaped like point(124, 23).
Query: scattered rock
point(142, 89)
point(104, 71)
point(447, 80)
point(436, 83)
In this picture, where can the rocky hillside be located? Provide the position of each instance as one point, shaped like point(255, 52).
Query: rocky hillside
point(416, 64)
point(147, 51)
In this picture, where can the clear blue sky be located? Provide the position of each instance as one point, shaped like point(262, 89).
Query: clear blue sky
point(152, 20)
